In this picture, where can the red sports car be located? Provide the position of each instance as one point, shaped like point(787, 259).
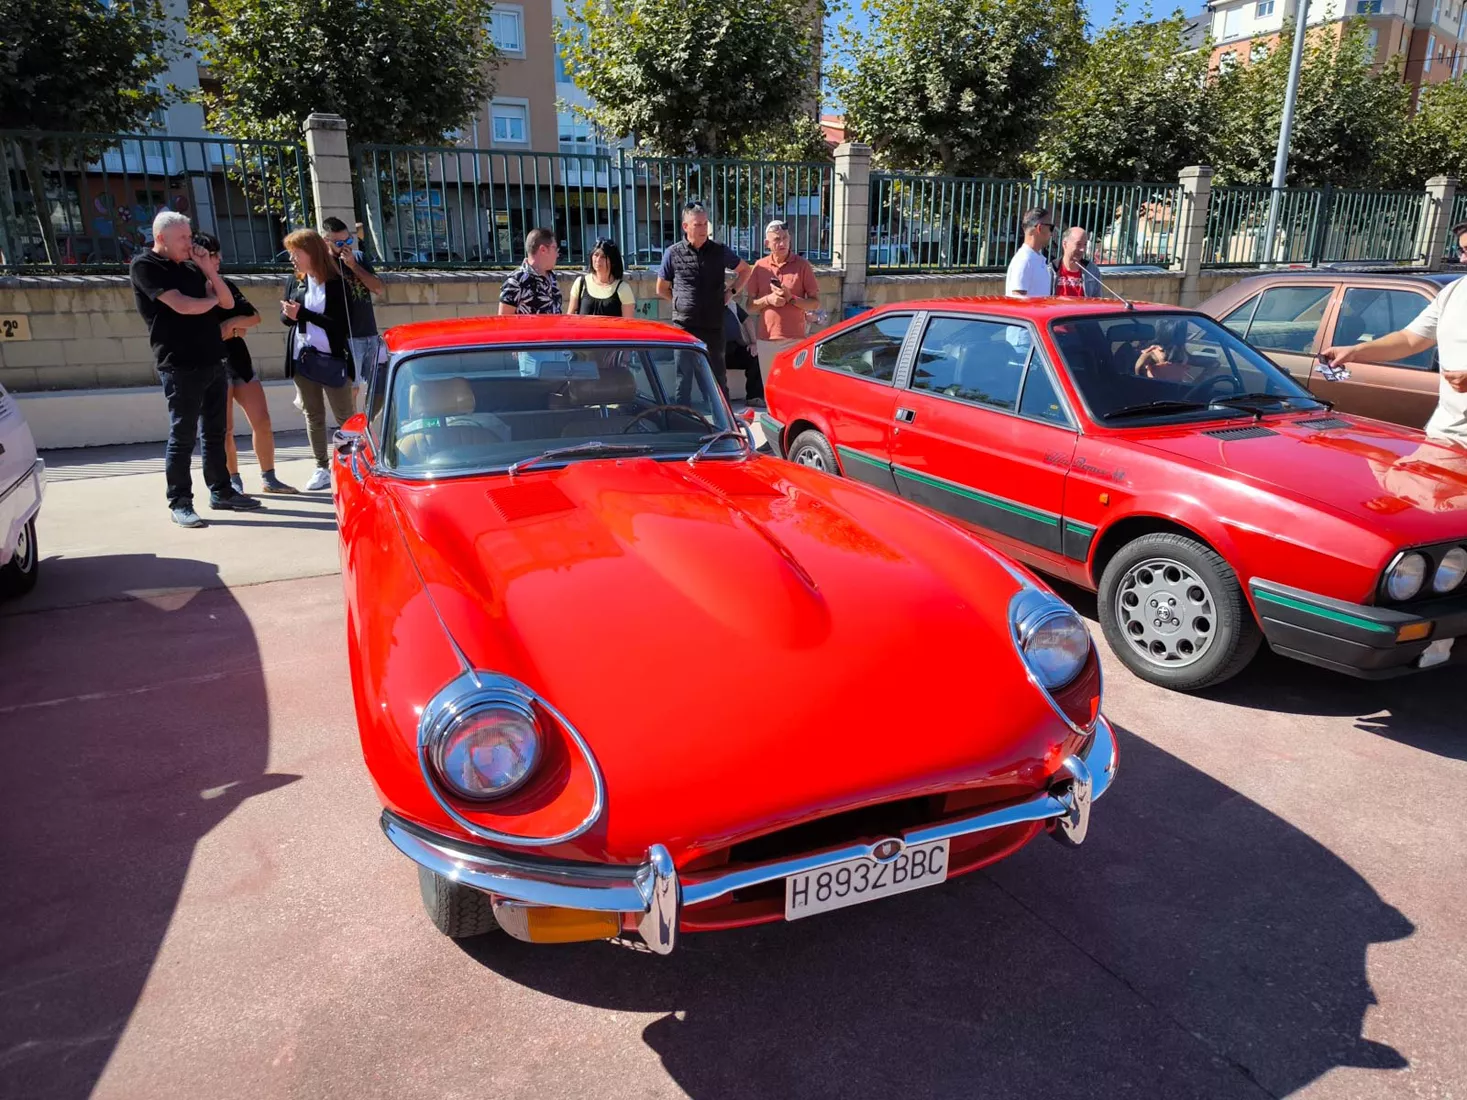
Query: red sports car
point(614, 671)
point(1148, 453)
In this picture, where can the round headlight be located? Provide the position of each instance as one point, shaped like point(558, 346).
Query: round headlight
point(1056, 648)
point(1450, 571)
point(1406, 577)
point(487, 752)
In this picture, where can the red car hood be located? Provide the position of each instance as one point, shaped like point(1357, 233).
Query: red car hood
point(1392, 478)
point(744, 645)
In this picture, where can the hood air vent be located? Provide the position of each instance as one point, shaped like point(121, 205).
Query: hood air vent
point(1323, 423)
point(1254, 432)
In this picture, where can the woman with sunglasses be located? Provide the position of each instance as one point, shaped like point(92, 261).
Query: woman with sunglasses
point(604, 292)
point(244, 387)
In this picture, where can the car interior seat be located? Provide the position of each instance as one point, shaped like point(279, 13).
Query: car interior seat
point(438, 420)
point(593, 400)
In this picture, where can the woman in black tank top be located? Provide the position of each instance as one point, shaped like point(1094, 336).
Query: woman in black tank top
point(607, 277)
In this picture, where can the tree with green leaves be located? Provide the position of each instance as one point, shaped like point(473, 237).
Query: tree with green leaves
point(406, 71)
point(1435, 140)
point(1137, 106)
point(1348, 118)
point(960, 86)
point(74, 66)
point(705, 78)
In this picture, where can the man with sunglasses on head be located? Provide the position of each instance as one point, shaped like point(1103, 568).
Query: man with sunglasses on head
point(692, 277)
point(1029, 274)
point(1459, 244)
point(362, 283)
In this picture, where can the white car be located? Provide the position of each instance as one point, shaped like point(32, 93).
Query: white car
point(22, 483)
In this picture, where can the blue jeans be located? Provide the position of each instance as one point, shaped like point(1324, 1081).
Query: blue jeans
point(197, 398)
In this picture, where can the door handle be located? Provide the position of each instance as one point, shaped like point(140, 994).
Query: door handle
point(906, 416)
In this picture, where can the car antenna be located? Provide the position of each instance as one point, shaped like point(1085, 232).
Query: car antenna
point(1130, 305)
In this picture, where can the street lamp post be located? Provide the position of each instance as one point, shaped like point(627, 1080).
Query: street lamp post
point(1286, 124)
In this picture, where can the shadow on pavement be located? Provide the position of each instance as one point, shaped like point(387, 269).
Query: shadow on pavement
point(1196, 946)
point(132, 729)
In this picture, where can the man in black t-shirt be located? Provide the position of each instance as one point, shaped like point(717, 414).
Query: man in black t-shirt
point(177, 287)
point(692, 278)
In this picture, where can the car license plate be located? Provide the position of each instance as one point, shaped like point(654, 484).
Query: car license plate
point(864, 879)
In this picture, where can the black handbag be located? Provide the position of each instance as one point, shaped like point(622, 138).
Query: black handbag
point(330, 371)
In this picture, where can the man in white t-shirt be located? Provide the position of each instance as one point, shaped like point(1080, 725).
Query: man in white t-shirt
point(1442, 325)
point(1029, 272)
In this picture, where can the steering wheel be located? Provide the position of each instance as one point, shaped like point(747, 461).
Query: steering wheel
point(712, 427)
point(1202, 391)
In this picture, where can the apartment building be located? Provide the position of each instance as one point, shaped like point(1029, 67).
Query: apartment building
point(1427, 37)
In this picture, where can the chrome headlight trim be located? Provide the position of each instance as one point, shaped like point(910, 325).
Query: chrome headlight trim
point(473, 690)
point(1418, 561)
point(450, 717)
point(1457, 555)
point(1031, 608)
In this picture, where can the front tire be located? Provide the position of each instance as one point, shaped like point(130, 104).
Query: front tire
point(812, 449)
point(19, 575)
point(456, 910)
point(1174, 613)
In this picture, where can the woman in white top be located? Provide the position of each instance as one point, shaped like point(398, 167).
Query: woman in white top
point(605, 291)
point(318, 343)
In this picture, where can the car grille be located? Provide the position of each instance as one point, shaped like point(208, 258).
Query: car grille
point(1240, 433)
point(1322, 423)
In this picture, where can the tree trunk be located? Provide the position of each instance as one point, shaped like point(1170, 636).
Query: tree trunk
point(30, 153)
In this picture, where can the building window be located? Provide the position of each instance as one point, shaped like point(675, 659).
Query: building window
point(1227, 61)
point(507, 29)
point(561, 76)
point(1264, 8)
point(510, 123)
point(1367, 7)
point(1232, 23)
point(578, 135)
point(1430, 49)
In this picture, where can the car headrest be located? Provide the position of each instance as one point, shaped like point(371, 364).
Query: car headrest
point(1124, 334)
point(440, 397)
point(613, 386)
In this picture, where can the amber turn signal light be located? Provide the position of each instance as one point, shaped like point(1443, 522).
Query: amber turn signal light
point(1414, 632)
point(550, 924)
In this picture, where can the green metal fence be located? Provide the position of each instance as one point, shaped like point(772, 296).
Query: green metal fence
point(1311, 227)
point(452, 206)
point(72, 202)
point(938, 223)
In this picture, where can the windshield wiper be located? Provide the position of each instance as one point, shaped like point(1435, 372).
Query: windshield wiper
point(708, 442)
point(1148, 407)
point(593, 447)
point(1241, 399)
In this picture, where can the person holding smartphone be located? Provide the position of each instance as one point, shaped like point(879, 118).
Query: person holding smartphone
point(362, 285)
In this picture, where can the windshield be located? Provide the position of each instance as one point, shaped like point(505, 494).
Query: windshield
point(1141, 365)
point(478, 409)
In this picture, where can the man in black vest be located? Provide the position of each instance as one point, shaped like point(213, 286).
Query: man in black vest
point(692, 279)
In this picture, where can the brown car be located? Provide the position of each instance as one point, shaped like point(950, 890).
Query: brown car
point(1291, 315)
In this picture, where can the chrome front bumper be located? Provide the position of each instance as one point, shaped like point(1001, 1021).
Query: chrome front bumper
point(655, 890)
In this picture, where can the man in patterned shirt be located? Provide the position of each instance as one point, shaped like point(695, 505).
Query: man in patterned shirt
point(532, 288)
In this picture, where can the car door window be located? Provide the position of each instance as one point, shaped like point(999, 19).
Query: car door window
point(1238, 319)
point(1039, 399)
point(1368, 313)
point(870, 350)
point(973, 360)
point(1288, 318)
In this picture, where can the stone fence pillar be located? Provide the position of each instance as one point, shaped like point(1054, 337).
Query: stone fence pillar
point(1436, 219)
point(1196, 184)
point(850, 218)
point(330, 166)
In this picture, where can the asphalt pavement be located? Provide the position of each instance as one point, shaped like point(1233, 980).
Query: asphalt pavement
point(198, 901)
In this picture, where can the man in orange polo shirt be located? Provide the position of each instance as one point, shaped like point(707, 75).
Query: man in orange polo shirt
point(782, 290)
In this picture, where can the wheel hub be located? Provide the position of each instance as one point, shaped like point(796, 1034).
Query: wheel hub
point(1166, 612)
point(809, 456)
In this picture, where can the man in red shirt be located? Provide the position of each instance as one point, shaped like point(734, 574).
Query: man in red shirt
point(782, 290)
point(1076, 277)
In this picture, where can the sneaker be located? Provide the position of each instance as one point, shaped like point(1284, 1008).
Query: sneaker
point(234, 502)
point(321, 479)
point(237, 482)
point(272, 484)
point(185, 516)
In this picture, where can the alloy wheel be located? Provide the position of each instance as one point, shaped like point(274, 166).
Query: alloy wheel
point(810, 456)
point(1166, 612)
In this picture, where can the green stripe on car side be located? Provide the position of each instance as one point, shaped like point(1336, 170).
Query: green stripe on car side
point(1084, 530)
point(847, 452)
point(981, 498)
point(1322, 612)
